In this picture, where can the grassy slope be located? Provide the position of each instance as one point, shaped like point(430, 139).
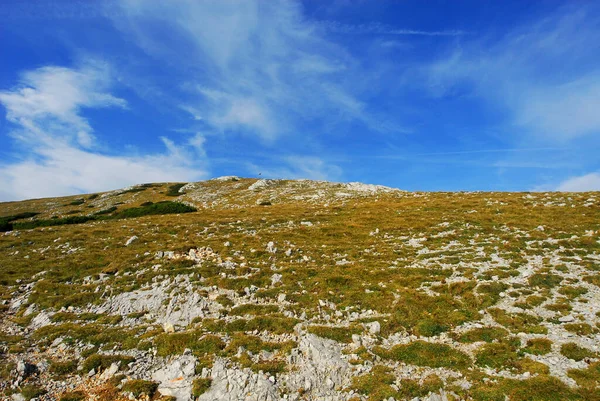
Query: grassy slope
point(430, 289)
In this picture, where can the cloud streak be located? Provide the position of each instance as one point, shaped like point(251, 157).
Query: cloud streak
point(587, 182)
point(545, 74)
point(254, 68)
point(61, 155)
point(383, 29)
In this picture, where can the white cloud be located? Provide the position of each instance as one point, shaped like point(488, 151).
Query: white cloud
point(58, 155)
point(545, 74)
point(52, 97)
point(253, 67)
point(588, 182)
point(65, 170)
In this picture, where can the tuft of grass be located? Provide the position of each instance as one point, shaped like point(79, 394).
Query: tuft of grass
point(538, 346)
point(376, 384)
point(100, 362)
point(140, 387)
point(199, 344)
point(589, 377)
point(422, 353)
point(582, 329)
point(518, 322)
point(496, 355)
point(544, 280)
point(73, 396)
point(538, 388)
point(487, 334)
point(576, 353)
point(63, 368)
point(30, 391)
point(200, 386)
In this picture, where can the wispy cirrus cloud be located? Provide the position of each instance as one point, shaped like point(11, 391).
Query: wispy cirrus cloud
point(375, 28)
point(60, 154)
point(254, 68)
point(544, 74)
point(47, 102)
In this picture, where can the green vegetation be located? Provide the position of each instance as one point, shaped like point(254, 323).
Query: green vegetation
point(487, 334)
point(200, 386)
point(63, 368)
point(376, 384)
point(575, 352)
point(539, 388)
point(589, 377)
point(176, 343)
point(73, 396)
point(432, 265)
point(538, 346)
point(100, 362)
point(423, 353)
point(252, 309)
point(6, 222)
point(139, 387)
point(173, 190)
point(518, 322)
point(30, 391)
point(159, 208)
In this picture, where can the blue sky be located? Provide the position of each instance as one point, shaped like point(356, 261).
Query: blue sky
point(436, 95)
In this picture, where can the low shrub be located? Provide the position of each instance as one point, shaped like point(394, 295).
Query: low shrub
point(100, 362)
point(173, 190)
point(73, 396)
point(139, 387)
point(30, 391)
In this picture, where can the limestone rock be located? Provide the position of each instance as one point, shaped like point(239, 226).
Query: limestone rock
point(175, 377)
point(131, 240)
point(234, 384)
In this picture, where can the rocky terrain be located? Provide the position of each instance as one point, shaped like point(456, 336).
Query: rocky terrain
point(245, 289)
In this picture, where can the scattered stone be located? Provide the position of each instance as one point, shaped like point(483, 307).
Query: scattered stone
point(168, 327)
point(131, 240)
point(374, 327)
point(276, 278)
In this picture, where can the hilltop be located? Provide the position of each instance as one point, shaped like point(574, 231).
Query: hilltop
point(238, 288)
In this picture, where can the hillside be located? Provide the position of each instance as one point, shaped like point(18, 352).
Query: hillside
point(245, 289)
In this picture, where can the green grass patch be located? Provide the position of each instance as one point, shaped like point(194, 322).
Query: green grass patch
point(538, 346)
point(173, 190)
point(140, 387)
point(200, 386)
point(576, 353)
point(423, 353)
point(197, 342)
point(73, 396)
point(487, 334)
